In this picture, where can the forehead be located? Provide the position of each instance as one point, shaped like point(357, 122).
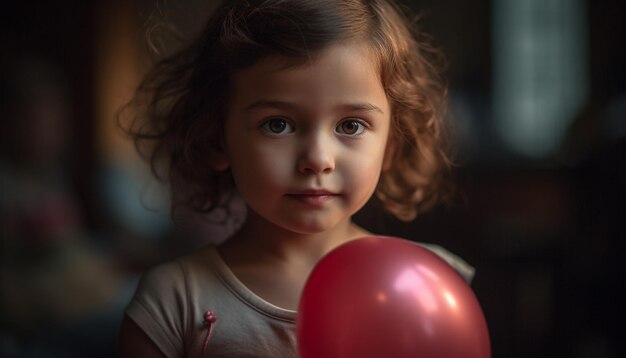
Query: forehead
point(339, 73)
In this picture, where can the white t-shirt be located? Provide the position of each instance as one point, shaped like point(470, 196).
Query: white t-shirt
point(172, 298)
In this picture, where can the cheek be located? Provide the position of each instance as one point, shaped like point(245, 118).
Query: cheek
point(260, 167)
point(364, 169)
point(370, 175)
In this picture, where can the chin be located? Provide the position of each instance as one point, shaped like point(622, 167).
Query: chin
point(310, 228)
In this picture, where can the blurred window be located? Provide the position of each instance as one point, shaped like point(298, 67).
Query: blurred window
point(540, 71)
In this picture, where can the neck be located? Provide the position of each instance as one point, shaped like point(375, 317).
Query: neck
point(260, 241)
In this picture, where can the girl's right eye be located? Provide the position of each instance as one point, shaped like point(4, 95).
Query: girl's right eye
point(277, 126)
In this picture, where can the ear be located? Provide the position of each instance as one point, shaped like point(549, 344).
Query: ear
point(219, 159)
point(219, 162)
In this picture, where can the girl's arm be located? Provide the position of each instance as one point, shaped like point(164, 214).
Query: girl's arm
point(133, 342)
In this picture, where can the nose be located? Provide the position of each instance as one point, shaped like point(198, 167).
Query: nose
point(316, 156)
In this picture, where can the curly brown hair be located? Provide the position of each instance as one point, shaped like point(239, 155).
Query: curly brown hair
point(177, 115)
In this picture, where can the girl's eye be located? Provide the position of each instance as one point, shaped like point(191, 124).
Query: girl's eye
point(277, 126)
point(351, 127)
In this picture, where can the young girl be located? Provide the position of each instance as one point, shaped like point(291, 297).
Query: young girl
point(304, 109)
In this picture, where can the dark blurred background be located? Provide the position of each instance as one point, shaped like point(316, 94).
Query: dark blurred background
point(538, 101)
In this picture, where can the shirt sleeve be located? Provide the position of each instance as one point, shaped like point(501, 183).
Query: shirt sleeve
point(159, 308)
point(462, 267)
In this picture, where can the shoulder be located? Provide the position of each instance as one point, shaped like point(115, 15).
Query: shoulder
point(162, 276)
point(158, 307)
point(164, 307)
point(173, 277)
point(165, 283)
point(160, 297)
point(461, 266)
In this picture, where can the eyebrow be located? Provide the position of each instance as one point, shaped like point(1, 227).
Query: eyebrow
point(355, 107)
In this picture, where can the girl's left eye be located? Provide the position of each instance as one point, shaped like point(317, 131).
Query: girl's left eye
point(351, 127)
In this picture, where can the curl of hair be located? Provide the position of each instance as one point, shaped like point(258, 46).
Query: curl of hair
point(177, 115)
point(416, 178)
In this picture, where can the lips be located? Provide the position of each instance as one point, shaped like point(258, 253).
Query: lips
point(313, 197)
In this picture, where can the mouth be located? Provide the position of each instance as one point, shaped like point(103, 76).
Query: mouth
point(313, 197)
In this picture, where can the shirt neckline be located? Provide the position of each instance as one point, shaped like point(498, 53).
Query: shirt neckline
point(245, 294)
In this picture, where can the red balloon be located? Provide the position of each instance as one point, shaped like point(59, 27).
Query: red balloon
point(388, 297)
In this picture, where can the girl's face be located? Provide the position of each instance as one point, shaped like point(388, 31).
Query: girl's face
point(306, 144)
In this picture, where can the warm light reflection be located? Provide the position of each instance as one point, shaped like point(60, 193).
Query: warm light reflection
point(450, 299)
point(427, 272)
point(411, 281)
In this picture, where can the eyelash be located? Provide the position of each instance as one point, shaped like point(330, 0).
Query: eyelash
point(265, 126)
